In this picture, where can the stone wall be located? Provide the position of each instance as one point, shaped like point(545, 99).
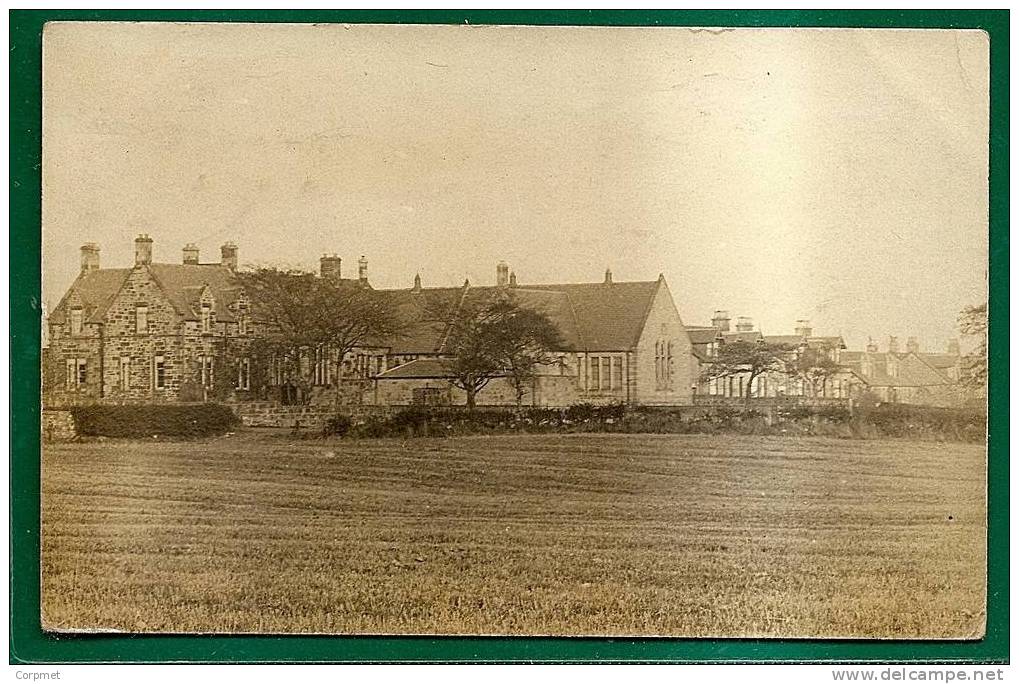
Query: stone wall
point(312, 417)
point(58, 425)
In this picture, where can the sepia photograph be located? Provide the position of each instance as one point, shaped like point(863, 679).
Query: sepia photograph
point(406, 329)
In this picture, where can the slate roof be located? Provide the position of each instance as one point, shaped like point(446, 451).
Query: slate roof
point(96, 290)
point(911, 370)
point(701, 334)
point(589, 316)
point(181, 283)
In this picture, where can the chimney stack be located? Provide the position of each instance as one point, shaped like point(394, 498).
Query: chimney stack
point(417, 283)
point(871, 346)
point(912, 345)
point(362, 270)
point(803, 328)
point(720, 321)
point(191, 254)
point(513, 279)
point(608, 276)
point(228, 254)
point(142, 250)
point(502, 274)
point(893, 344)
point(953, 346)
point(744, 324)
point(329, 266)
point(89, 257)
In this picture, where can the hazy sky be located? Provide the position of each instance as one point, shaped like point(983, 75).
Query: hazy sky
point(835, 175)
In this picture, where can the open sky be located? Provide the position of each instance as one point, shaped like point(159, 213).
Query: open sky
point(833, 175)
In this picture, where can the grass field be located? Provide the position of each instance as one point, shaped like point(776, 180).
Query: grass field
point(554, 534)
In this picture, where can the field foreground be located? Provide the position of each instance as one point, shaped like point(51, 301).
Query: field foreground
point(552, 534)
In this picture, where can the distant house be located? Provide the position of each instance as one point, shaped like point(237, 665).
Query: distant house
point(909, 377)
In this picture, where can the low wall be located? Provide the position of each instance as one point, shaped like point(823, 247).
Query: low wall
point(313, 416)
point(58, 425)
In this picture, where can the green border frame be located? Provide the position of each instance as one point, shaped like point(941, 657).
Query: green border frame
point(29, 644)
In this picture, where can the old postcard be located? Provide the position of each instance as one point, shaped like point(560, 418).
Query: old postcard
point(514, 330)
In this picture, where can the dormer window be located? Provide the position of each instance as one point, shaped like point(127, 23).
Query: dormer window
point(141, 319)
point(206, 318)
point(76, 320)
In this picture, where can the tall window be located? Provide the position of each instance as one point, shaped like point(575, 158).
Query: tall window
point(606, 372)
point(242, 324)
point(76, 373)
point(76, 320)
point(594, 364)
point(158, 372)
point(206, 318)
point(244, 374)
point(141, 319)
point(617, 375)
point(207, 371)
point(125, 373)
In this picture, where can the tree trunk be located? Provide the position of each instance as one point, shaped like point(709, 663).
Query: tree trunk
point(746, 396)
point(471, 391)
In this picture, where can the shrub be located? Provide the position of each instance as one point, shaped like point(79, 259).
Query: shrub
point(148, 420)
point(339, 425)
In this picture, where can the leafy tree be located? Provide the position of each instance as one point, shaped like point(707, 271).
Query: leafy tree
point(815, 365)
point(746, 359)
point(973, 323)
point(493, 335)
point(298, 313)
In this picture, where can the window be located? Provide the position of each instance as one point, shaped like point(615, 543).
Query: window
point(663, 364)
point(242, 325)
point(76, 373)
point(158, 372)
point(606, 372)
point(594, 367)
point(617, 375)
point(125, 373)
point(141, 319)
point(76, 320)
point(206, 318)
point(244, 374)
point(206, 363)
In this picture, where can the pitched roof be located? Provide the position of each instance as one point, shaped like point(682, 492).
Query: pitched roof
point(95, 290)
point(701, 334)
point(589, 316)
point(941, 361)
point(750, 336)
point(796, 340)
point(183, 284)
point(910, 370)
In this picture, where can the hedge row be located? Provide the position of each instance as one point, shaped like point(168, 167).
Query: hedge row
point(154, 420)
point(916, 422)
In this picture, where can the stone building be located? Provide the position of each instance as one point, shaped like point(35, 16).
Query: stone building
point(623, 342)
point(153, 332)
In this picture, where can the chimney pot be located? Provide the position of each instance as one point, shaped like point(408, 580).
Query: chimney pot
point(228, 255)
point(190, 254)
point(893, 344)
point(329, 266)
point(744, 324)
point(912, 345)
point(417, 283)
point(803, 328)
point(89, 257)
point(142, 250)
point(502, 274)
point(513, 279)
point(720, 321)
point(608, 276)
point(362, 269)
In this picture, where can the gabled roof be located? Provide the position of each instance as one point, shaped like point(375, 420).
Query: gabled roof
point(182, 284)
point(751, 336)
point(95, 290)
point(589, 316)
point(911, 371)
point(794, 340)
point(941, 361)
point(701, 334)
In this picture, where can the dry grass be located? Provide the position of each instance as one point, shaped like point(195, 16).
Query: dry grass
point(581, 534)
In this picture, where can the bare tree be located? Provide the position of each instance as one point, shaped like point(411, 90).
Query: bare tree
point(815, 365)
point(747, 359)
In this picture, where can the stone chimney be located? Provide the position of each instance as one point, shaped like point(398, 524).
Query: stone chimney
point(912, 345)
point(893, 344)
point(871, 346)
point(744, 324)
point(502, 274)
point(608, 276)
point(89, 257)
point(228, 255)
point(953, 346)
point(803, 328)
point(362, 270)
point(142, 250)
point(513, 279)
point(190, 252)
point(720, 321)
point(417, 283)
point(329, 266)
